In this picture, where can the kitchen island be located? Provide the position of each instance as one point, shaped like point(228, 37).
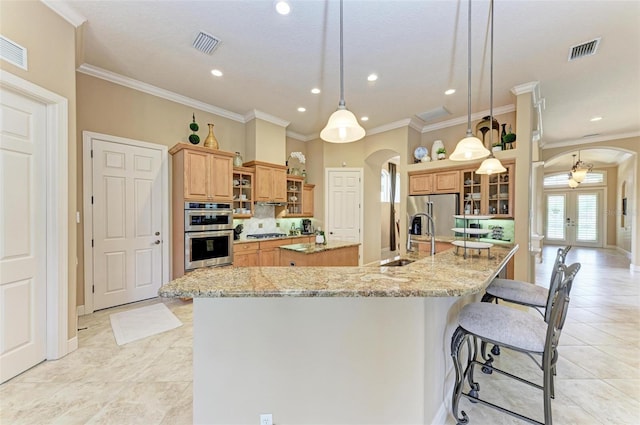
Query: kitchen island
point(334, 253)
point(330, 345)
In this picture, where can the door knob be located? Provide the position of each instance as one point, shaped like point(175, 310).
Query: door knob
point(157, 233)
point(157, 242)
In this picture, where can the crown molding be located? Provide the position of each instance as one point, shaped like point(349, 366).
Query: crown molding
point(66, 12)
point(265, 117)
point(302, 137)
point(463, 120)
point(391, 126)
point(588, 140)
point(525, 88)
point(112, 77)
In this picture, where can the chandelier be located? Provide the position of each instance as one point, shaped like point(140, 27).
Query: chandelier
point(578, 171)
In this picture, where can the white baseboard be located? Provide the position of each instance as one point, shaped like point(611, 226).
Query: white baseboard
point(634, 267)
point(72, 344)
point(80, 310)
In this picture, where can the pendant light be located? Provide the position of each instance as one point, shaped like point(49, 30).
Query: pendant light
point(470, 147)
point(580, 169)
point(342, 126)
point(491, 165)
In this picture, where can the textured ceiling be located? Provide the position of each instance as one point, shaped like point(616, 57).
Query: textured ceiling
point(418, 48)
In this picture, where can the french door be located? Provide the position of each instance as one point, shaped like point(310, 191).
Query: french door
point(574, 218)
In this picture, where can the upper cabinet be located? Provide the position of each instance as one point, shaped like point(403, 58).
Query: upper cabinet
point(427, 183)
point(243, 178)
point(307, 199)
point(488, 194)
point(294, 195)
point(270, 183)
point(203, 174)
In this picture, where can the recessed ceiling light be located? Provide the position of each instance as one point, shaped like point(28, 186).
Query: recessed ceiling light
point(372, 77)
point(216, 72)
point(301, 109)
point(283, 7)
point(315, 90)
point(364, 119)
point(594, 119)
point(450, 91)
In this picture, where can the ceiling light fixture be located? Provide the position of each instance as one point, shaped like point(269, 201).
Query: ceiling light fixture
point(364, 118)
point(372, 77)
point(579, 170)
point(302, 109)
point(450, 91)
point(491, 165)
point(470, 147)
point(594, 119)
point(283, 7)
point(315, 90)
point(343, 126)
point(216, 72)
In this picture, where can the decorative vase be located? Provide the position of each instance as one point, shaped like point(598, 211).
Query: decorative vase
point(442, 156)
point(295, 172)
point(434, 148)
point(503, 134)
point(237, 160)
point(211, 142)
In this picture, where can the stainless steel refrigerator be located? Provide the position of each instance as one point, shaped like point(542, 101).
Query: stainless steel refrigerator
point(441, 208)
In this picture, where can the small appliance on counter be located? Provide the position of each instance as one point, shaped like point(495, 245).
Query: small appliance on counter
point(307, 229)
point(236, 232)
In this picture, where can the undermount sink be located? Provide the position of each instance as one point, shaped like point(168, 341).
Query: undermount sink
point(396, 263)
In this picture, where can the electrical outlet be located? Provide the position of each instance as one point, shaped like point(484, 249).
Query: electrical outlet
point(277, 224)
point(259, 225)
point(266, 419)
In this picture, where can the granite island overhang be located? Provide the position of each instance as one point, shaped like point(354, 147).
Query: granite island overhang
point(330, 345)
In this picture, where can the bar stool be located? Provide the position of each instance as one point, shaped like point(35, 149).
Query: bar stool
point(524, 293)
point(516, 330)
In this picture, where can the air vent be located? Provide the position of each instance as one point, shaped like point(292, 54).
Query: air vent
point(584, 49)
point(13, 52)
point(434, 114)
point(206, 43)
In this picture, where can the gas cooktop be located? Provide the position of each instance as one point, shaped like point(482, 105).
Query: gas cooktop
point(267, 235)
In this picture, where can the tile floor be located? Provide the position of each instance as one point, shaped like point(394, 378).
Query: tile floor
point(150, 381)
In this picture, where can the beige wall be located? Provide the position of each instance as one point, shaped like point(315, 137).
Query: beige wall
point(50, 43)
point(108, 108)
point(266, 142)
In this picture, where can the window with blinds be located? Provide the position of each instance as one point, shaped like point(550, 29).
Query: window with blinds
point(587, 224)
point(555, 217)
point(562, 179)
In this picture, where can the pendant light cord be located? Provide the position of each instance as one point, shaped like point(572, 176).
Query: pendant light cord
point(491, 86)
point(342, 103)
point(469, 74)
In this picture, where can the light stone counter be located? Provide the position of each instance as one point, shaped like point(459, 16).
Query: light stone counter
point(443, 275)
point(314, 248)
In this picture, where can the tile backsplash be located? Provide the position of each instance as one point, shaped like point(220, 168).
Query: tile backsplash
point(264, 221)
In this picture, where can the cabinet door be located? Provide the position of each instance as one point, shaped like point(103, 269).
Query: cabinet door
point(471, 194)
point(447, 182)
point(420, 184)
point(279, 185)
point(264, 181)
point(221, 178)
point(246, 259)
point(197, 178)
point(500, 193)
point(268, 257)
point(307, 200)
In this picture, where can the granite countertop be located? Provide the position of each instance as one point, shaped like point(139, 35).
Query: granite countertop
point(245, 239)
point(313, 248)
point(442, 275)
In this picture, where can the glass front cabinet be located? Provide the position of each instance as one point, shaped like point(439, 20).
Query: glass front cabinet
point(487, 194)
point(243, 179)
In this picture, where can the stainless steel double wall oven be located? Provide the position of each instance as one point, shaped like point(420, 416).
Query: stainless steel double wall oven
point(208, 234)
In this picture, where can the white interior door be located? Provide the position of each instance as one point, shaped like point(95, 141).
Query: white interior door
point(574, 218)
point(344, 198)
point(23, 232)
point(127, 223)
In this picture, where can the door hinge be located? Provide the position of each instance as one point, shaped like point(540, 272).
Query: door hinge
point(91, 153)
point(91, 243)
point(91, 199)
point(93, 289)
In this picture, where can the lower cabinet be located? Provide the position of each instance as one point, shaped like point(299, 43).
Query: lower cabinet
point(264, 253)
point(246, 254)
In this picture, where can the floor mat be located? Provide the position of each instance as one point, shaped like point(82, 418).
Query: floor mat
point(142, 322)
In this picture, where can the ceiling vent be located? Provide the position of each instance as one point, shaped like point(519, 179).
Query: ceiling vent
point(206, 43)
point(13, 52)
point(581, 50)
point(434, 114)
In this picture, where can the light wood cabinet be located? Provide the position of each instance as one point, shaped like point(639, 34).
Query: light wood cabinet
point(202, 174)
point(270, 181)
point(294, 196)
point(428, 183)
point(488, 194)
point(243, 192)
point(307, 199)
point(246, 254)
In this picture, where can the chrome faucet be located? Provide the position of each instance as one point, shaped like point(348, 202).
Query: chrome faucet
point(431, 230)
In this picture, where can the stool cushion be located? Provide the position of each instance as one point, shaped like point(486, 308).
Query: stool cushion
point(505, 326)
point(519, 292)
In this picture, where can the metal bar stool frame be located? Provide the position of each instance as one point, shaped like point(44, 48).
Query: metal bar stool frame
point(549, 353)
